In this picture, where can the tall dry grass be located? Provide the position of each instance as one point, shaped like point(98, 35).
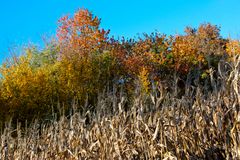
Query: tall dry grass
point(201, 124)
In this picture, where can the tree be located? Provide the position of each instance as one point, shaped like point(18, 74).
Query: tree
point(81, 33)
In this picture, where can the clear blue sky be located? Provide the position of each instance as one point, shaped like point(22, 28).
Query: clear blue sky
point(24, 21)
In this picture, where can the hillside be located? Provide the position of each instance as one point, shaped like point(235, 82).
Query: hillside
point(89, 96)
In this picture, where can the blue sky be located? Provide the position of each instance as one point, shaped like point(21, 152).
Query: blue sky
point(27, 21)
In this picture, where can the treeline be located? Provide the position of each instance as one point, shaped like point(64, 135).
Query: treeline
point(84, 62)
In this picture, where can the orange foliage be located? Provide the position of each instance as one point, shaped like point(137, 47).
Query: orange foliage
point(81, 33)
point(233, 47)
point(197, 47)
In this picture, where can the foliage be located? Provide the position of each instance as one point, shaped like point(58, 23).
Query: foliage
point(144, 80)
point(80, 34)
point(28, 84)
point(84, 62)
point(199, 47)
point(85, 77)
point(233, 47)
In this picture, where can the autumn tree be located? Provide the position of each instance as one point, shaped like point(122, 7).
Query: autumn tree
point(81, 33)
point(202, 46)
point(86, 63)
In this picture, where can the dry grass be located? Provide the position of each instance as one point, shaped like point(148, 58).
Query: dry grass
point(199, 125)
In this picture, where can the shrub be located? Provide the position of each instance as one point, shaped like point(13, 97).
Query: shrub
point(29, 84)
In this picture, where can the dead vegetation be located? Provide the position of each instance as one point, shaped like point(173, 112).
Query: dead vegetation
point(197, 125)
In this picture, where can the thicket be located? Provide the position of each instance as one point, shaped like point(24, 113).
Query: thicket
point(85, 62)
point(197, 125)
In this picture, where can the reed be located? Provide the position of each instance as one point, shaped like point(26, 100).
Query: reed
point(197, 125)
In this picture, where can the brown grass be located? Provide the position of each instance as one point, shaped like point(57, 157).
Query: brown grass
point(198, 125)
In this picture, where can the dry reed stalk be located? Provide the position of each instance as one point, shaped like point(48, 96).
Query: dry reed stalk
point(194, 126)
